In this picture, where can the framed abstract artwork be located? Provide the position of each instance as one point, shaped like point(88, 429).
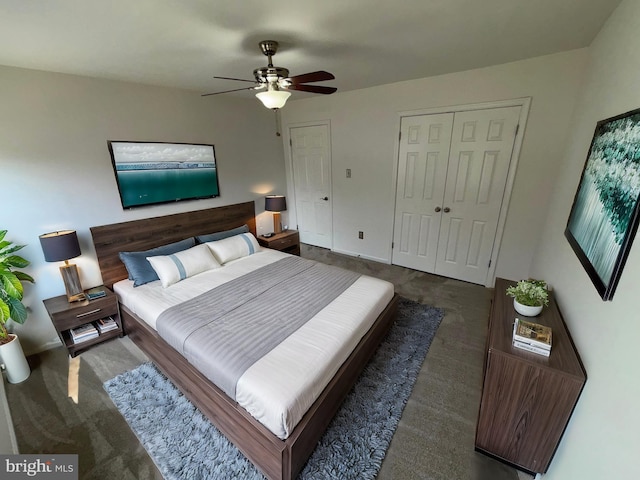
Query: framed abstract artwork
point(604, 216)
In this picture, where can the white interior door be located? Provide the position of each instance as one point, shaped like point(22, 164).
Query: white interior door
point(481, 147)
point(452, 174)
point(422, 172)
point(311, 161)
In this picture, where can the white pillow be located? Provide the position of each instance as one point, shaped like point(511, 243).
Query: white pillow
point(178, 266)
point(234, 247)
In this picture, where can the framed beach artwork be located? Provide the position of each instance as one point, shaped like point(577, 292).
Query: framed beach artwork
point(604, 216)
point(149, 173)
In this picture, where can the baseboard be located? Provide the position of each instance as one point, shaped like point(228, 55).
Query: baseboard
point(365, 257)
point(43, 348)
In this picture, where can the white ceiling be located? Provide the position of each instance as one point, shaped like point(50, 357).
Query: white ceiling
point(184, 43)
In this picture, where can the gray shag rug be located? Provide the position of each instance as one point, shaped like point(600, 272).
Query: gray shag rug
point(185, 445)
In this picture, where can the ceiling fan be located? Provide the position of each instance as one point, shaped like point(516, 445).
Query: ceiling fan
point(274, 82)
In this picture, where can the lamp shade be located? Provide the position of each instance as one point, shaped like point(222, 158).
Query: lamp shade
point(59, 246)
point(275, 203)
point(273, 98)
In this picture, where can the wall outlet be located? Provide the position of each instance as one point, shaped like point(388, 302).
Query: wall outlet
point(360, 235)
point(348, 173)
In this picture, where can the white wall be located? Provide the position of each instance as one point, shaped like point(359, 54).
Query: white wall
point(364, 134)
point(56, 170)
point(603, 437)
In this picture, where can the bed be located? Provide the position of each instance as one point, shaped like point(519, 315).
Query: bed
point(277, 456)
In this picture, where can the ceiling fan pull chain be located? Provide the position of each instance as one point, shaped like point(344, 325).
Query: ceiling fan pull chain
point(278, 125)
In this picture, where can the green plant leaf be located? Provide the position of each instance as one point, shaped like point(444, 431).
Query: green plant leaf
point(11, 288)
point(24, 277)
point(18, 311)
point(9, 248)
point(4, 311)
point(12, 285)
point(16, 261)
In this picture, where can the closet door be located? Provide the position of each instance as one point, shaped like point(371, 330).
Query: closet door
point(452, 173)
point(481, 147)
point(422, 171)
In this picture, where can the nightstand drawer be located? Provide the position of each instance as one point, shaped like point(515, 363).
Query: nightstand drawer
point(282, 243)
point(87, 315)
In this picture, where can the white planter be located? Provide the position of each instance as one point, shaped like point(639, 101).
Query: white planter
point(526, 310)
point(14, 361)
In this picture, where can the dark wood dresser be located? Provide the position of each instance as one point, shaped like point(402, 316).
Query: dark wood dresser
point(527, 398)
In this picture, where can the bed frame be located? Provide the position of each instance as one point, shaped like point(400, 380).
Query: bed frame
point(277, 459)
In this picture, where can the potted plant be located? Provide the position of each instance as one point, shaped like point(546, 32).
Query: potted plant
point(529, 296)
point(11, 307)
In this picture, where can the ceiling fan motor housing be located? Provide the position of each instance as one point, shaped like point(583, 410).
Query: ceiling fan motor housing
point(270, 74)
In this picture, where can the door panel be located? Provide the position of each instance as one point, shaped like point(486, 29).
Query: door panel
point(481, 148)
point(422, 170)
point(311, 160)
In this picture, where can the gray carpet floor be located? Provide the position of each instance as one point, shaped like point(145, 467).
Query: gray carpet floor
point(434, 439)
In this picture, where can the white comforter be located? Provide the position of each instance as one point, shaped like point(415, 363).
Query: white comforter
point(279, 388)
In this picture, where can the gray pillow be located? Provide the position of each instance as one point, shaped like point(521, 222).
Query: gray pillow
point(212, 237)
point(139, 268)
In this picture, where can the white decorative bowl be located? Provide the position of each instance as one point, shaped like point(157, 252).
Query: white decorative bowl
point(526, 310)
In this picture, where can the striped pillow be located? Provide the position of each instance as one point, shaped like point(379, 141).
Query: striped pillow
point(138, 267)
point(234, 247)
point(178, 266)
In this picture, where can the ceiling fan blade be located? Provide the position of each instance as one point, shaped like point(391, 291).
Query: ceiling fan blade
point(318, 76)
point(228, 91)
point(313, 89)
point(236, 79)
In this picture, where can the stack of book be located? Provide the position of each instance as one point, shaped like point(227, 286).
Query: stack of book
point(532, 337)
point(83, 333)
point(106, 324)
point(95, 292)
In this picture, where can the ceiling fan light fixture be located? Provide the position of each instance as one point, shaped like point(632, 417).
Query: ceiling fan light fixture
point(273, 98)
point(277, 81)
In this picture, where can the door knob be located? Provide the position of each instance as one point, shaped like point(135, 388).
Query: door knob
point(326, 199)
point(447, 209)
point(438, 209)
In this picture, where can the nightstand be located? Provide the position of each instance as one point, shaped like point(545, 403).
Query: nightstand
point(66, 316)
point(287, 241)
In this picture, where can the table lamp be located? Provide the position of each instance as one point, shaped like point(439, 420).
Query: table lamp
point(62, 246)
point(275, 204)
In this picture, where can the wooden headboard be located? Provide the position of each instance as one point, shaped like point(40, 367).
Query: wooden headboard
point(139, 235)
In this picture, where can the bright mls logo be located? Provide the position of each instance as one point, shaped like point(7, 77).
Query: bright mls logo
point(50, 467)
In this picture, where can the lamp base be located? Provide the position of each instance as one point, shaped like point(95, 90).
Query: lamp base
point(277, 223)
point(72, 285)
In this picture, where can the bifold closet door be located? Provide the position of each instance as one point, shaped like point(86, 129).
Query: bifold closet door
point(452, 234)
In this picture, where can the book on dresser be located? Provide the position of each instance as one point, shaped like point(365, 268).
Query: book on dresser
point(532, 337)
point(83, 333)
point(106, 324)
